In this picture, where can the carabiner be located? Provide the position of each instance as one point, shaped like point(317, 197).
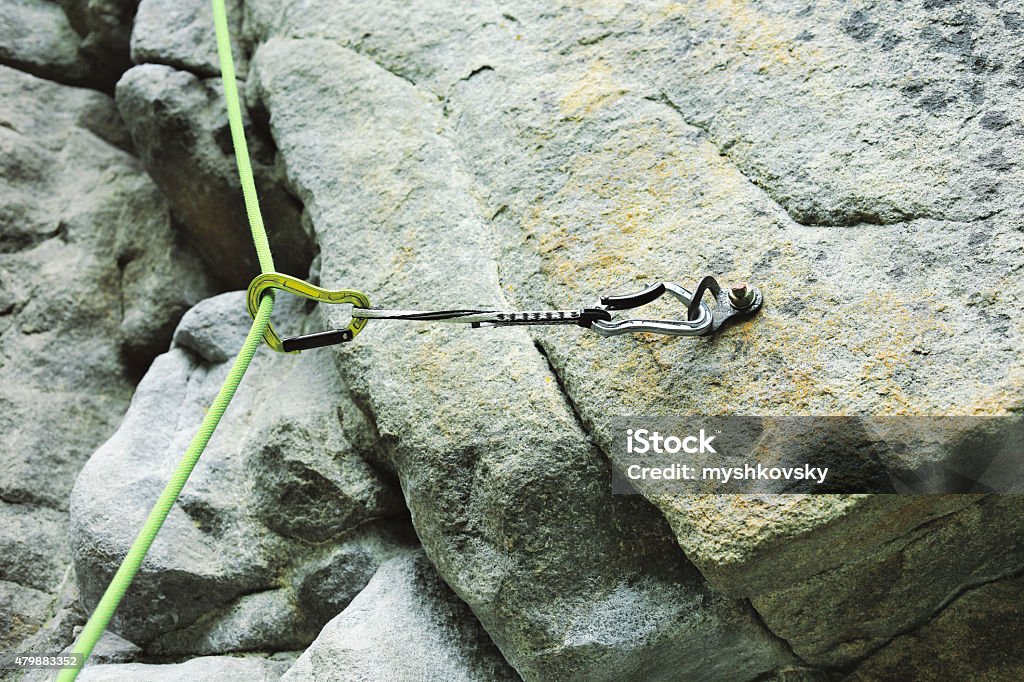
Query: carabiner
point(294, 285)
point(701, 318)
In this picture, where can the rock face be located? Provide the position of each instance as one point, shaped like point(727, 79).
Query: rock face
point(92, 280)
point(435, 503)
point(496, 470)
point(90, 267)
point(592, 151)
point(406, 625)
point(178, 122)
point(980, 543)
point(974, 637)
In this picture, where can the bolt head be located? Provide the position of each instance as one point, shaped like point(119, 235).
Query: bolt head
point(740, 295)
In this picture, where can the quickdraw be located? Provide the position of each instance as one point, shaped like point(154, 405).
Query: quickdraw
point(702, 318)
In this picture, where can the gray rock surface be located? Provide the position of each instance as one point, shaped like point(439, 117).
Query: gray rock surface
point(739, 162)
point(860, 162)
point(113, 649)
point(60, 620)
point(206, 668)
point(90, 268)
point(923, 92)
point(92, 280)
point(180, 129)
point(619, 144)
point(500, 479)
point(742, 143)
point(324, 588)
point(22, 612)
point(36, 36)
point(109, 649)
point(32, 536)
point(974, 637)
point(268, 620)
point(405, 625)
point(278, 494)
point(180, 33)
point(78, 42)
point(980, 543)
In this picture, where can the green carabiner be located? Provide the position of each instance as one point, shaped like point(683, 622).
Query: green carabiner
point(294, 285)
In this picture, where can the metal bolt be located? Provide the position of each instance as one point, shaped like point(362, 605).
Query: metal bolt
point(740, 295)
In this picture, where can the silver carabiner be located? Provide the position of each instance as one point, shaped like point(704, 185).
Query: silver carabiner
point(701, 318)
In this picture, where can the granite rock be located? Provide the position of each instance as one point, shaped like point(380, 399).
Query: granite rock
point(92, 281)
point(500, 479)
point(105, 27)
point(406, 624)
point(979, 543)
point(973, 637)
point(36, 37)
point(859, 162)
point(608, 146)
point(180, 33)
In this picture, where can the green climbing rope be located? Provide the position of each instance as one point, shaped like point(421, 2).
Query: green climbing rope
point(130, 565)
point(227, 72)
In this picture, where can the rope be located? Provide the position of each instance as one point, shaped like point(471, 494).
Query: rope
point(115, 591)
point(227, 72)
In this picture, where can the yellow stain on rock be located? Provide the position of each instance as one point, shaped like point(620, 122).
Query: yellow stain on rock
point(598, 88)
point(651, 188)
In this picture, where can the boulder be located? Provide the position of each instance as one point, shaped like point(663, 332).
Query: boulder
point(77, 42)
point(406, 624)
point(869, 190)
point(277, 496)
point(92, 270)
point(36, 37)
point(180, 130)
point(510, 499)
point(180, 33)
point(860, 163)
